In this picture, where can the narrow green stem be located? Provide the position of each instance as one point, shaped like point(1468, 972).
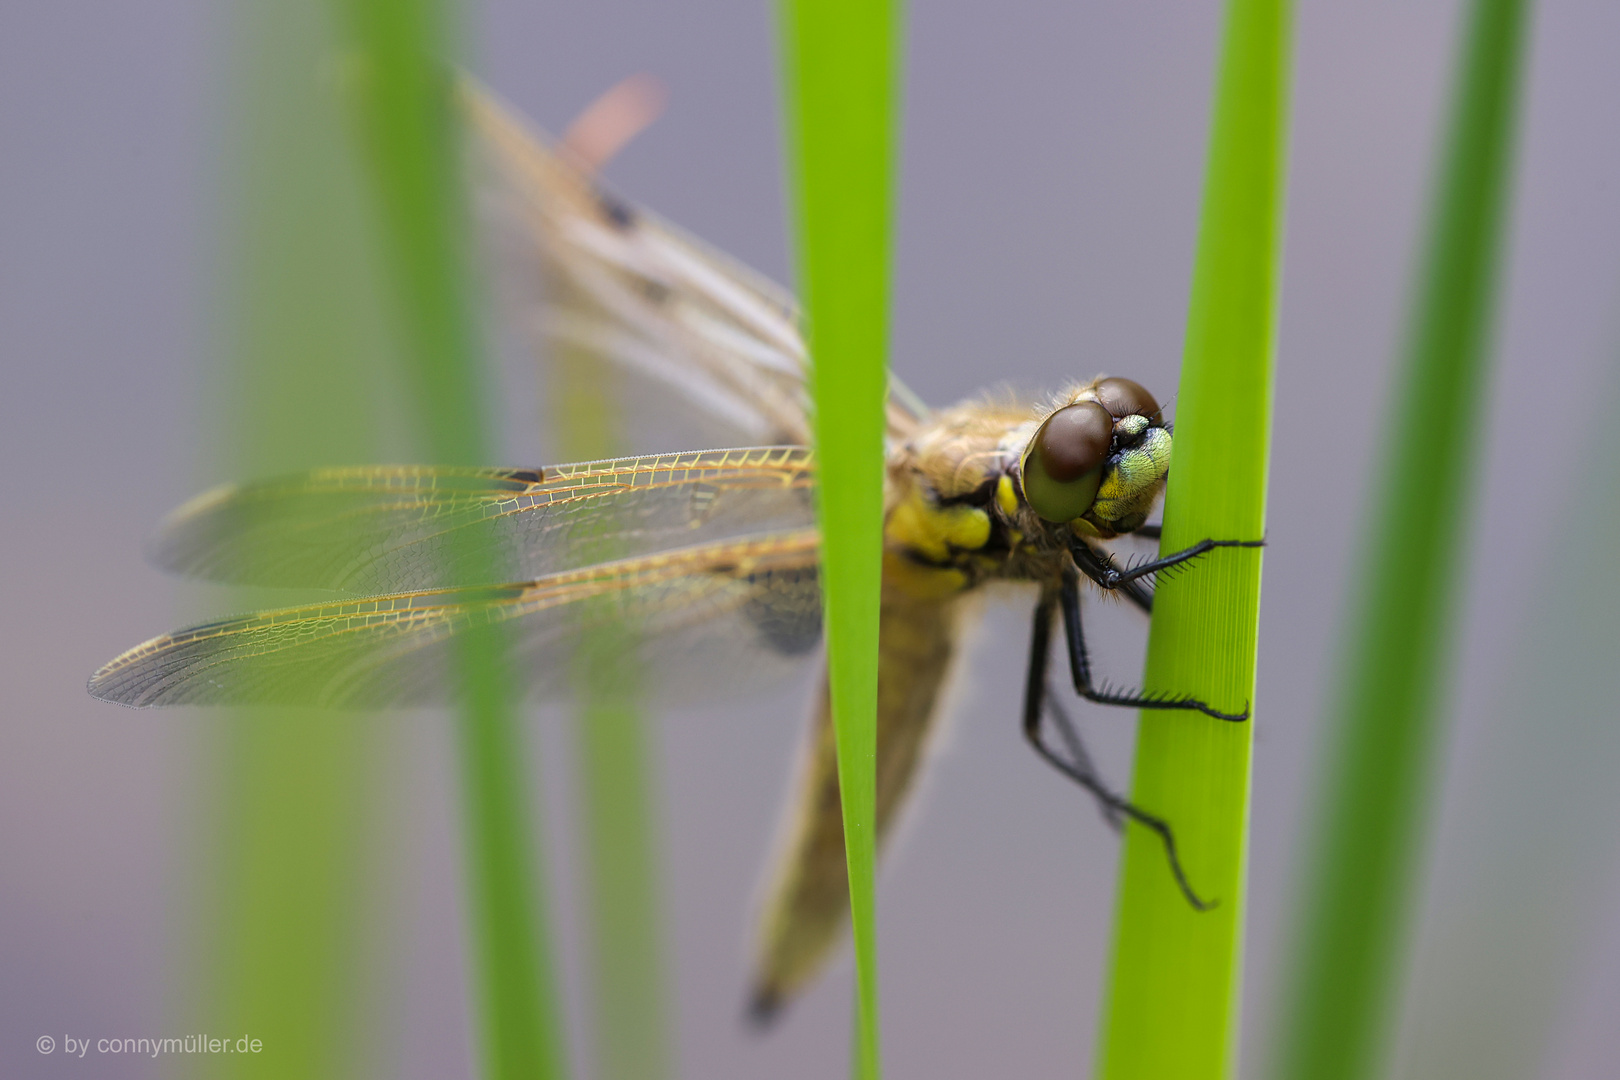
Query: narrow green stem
point(616, 773)
point(519, 1022)
point(285, 889)
point(407, 124)
point(1372, 818)
point(1173, 994)
point(617, 777)
point(841, 88)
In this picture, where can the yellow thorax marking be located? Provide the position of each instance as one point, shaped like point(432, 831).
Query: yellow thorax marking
point(1006, 497)
point(921, 582)
point(932, 531)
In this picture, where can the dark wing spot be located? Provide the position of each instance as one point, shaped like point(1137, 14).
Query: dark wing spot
point(786, 608)
point(616, 210)
point(495, 593)
point(656, 292)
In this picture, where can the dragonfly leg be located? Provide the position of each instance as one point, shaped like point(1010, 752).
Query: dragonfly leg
point(1080, 668)
point(1039, 702)
point(1146, 532)
point(1104, 573)
point(1094, 564)
point(1107, 800)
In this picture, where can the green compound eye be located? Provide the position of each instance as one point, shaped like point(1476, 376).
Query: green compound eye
point(1063, 464)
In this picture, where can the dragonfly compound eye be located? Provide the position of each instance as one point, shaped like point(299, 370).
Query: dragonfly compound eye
point(1122, 397)
point(1064, 462)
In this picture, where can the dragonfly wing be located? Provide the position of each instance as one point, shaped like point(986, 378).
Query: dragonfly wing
point(690, 623)
point(406, 528)
point(625, 287)
point(597, 274)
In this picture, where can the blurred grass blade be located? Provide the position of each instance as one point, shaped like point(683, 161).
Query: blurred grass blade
point(1342, 992)
point(1173, 994)
point(841, 82)
point(407, 124)
point(1527, 883)
point(616, 778)
point(630, 1019)
point(286, 881)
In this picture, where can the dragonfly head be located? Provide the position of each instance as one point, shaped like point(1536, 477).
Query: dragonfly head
point(1098, 462)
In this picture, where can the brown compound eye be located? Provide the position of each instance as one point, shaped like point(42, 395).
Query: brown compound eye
point(1063, 465)
point(1122, 397)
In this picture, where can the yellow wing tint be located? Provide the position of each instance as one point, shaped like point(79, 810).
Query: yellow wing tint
point(701, 618)
point(405, 528)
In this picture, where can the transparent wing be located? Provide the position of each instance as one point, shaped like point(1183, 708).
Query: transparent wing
point(705, 619)
point(623, 286)
point(405, 528)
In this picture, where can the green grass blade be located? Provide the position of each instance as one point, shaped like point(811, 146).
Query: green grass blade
point(407, 124)
point(621, 844)
point(1358, 893)
point(521, 1024)
point(616, 780)
point(1172, 1001)
point(286, 869)
point(841, 87)
point(1531, 856)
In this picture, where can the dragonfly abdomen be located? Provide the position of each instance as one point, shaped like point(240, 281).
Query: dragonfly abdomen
point(809, 900)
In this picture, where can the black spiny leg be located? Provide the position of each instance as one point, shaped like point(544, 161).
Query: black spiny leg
point(1080, 667)
point(1081, 759)
point(1037, 704)
point(1109, 576)
point(1100, 562)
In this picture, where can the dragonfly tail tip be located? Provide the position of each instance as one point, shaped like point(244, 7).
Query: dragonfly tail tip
point(764, 1006)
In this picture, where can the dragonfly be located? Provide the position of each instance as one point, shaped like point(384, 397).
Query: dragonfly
point(707, 559)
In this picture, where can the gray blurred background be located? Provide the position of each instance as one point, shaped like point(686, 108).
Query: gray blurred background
point(1049, 199)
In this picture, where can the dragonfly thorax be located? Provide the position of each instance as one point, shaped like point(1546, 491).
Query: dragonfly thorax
point(987, 490)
